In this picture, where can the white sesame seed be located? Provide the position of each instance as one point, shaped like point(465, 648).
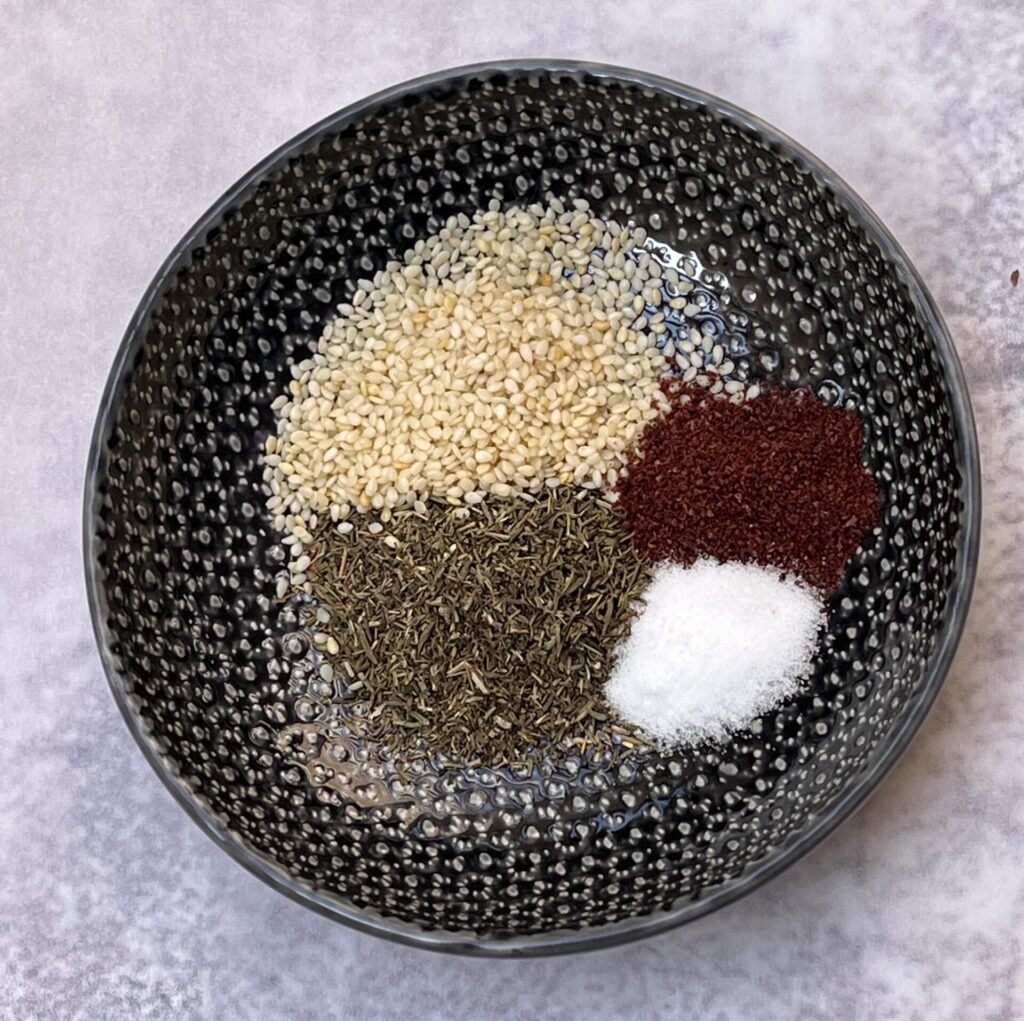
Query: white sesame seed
point(472, 368)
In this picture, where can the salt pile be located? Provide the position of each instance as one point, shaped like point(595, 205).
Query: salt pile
point(714, 646)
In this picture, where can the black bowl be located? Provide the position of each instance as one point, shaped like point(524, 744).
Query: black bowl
point(216, 680)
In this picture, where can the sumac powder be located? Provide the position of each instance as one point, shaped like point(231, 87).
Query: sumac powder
point(776, 481)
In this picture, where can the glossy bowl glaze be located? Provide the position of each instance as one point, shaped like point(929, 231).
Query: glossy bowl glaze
point(217, 680)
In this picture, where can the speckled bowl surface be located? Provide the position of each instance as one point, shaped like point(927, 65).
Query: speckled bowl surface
point(217, 680)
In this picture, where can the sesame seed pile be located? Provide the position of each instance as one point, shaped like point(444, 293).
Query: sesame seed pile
point(507, 353)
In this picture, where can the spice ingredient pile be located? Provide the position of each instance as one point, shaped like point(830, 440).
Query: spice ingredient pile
point(504, 355)
point(482, 634)
point(756, 627)
point(528, 516)
point(778, 481)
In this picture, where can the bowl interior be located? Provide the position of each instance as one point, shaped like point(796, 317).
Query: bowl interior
point(217, 678)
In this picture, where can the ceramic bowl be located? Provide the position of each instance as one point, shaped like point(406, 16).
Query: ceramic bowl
point(215, 677)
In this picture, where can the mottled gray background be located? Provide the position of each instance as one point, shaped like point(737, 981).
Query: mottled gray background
point(119, 125)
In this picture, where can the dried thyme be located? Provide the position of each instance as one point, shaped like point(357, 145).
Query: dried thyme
point(479, 636)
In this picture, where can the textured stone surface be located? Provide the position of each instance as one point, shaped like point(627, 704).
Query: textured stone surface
point(119, 130)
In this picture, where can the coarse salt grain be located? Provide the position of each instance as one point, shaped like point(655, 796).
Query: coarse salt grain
point(714, 646)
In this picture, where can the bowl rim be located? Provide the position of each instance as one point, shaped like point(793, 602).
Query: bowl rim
point(556, 941)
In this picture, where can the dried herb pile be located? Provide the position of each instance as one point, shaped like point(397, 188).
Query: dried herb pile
point(480, 636)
